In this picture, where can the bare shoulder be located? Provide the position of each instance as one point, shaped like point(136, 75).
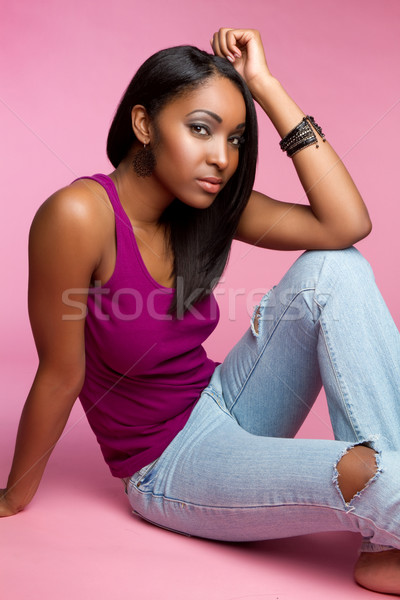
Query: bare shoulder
point(75, 225)
point(82, 204)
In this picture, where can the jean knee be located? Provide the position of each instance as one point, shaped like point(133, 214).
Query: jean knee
point(350, 257)
point(324, 269)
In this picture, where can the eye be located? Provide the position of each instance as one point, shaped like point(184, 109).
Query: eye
point(200, 130)
point(237, 140)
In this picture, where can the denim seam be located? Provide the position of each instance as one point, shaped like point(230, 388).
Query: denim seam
point(213, 507)
point(341, 510)
point(213, 394)
point(165, 527)
point(183, 503)
point(302, 291)
point(335, 370)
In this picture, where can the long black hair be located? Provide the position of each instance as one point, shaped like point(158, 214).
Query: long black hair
point(200, 238)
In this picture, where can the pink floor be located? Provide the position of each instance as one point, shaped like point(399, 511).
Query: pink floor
point(78, 539)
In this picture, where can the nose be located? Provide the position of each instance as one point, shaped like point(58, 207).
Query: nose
point(218, 154)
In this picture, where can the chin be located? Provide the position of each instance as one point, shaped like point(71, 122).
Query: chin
point(199, 203)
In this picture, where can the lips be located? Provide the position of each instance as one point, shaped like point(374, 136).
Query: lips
point(212, 185)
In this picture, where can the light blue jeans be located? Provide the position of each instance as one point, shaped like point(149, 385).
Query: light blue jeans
point(236, 473)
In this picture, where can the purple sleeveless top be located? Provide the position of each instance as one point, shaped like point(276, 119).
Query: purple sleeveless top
point(145, 369)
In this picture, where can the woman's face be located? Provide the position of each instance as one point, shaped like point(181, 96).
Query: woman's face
point(197, 139)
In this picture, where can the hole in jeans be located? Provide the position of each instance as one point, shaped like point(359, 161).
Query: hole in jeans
point(255, 322)
point(355, 470)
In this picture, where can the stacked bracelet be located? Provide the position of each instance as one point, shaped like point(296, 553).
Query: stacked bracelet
point(301, 136)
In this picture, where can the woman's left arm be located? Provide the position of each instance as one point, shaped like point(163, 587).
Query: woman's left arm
point(336, 216)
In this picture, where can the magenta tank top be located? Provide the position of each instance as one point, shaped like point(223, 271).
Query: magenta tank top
point(145, 369)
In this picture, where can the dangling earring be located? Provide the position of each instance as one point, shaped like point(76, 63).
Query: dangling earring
point(144, 162)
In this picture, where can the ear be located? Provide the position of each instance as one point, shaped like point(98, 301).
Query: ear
point(141, 123)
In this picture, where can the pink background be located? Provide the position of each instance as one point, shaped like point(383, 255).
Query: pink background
point(64, 66)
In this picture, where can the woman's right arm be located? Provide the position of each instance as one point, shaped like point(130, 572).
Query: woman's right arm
point(63, 254)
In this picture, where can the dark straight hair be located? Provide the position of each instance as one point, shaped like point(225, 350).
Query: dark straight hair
point(200, 238)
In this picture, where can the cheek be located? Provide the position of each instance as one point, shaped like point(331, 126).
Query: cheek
point(178, 161)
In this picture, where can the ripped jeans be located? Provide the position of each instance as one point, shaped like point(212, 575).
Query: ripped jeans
point(235, 472)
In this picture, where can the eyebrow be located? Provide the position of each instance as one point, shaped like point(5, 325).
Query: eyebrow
point(214, 116)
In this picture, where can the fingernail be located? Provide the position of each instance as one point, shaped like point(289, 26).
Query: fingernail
point(230, 58)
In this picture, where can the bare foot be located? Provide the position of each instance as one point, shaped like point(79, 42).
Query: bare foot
point(379, 571)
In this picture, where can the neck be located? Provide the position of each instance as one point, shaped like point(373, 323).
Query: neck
point(143, 198)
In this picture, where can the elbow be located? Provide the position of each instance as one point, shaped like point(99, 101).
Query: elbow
point(64, 384)
point(352, 234)
point(365, 225)
point(362, 224)
point(70, 387)
point(362, 229)
point(368, 229)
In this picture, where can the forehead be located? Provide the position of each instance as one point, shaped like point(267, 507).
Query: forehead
point(218, 95)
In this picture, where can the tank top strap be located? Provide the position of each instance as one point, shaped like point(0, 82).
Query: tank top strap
point(122, 222)
point(108, 184)
point(127, 247)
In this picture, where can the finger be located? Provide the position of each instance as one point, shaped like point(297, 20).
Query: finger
point(215, 45)
point(221, 45)
point(233, 37)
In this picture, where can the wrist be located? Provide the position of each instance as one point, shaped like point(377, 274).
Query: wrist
point(18, 493)
point(264, 87)
point(8, 506)
point(280, 108)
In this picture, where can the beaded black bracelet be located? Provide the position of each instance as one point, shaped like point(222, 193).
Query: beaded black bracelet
point(301, 136)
